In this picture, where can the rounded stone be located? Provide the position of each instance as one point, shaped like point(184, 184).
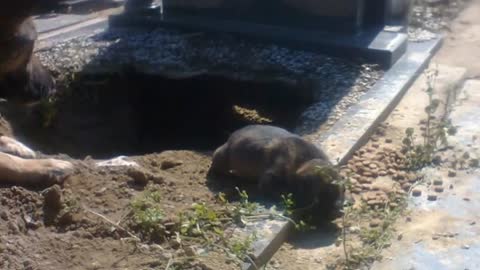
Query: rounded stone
point(364, 180)
point(416, 192)
point(367, 174)
point(375, 223)
point(406, 186)
point(437, 182)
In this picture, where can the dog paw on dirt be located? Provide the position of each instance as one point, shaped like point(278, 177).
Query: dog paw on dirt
point(33, 172)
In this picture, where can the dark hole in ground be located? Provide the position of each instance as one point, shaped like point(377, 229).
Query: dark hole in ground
point(105, 116)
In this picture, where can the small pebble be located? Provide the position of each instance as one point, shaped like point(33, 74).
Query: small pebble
point(13, 227)
point(406, 186)
point(437, 182)
point(4, 215)
point(375, 223)
point(100, 191)
point(416, 192)
point(139, 175)
point(170, 163)
point(174, 243)
point(364, 180)
point(437, 160)
point(474, 163)
point(190, 251)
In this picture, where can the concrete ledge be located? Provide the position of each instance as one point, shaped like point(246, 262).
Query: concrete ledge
point(361, 119)
point(88, 27)
point(271, 235)
point(383, 47)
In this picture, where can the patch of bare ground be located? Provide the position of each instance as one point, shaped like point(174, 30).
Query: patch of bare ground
point(87, 224)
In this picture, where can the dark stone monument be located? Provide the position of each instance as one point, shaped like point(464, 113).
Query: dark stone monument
point(142, 7)
point(372, 29)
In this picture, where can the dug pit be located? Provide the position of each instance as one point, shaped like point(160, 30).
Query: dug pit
point(133, 113)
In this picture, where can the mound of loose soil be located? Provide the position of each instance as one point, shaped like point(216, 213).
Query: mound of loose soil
point(79, 239)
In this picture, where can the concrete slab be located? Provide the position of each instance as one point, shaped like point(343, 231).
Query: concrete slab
point(271, 235)
point(361, 119)
point(50, 22)
point(383, 47)
point(444, 234)
point(86, 28)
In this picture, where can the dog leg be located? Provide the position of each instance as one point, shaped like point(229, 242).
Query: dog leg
point(36, 172)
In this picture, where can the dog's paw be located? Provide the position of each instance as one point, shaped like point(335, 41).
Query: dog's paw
point(11, 146)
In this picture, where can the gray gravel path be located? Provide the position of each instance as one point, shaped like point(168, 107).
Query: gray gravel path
point(339, 83)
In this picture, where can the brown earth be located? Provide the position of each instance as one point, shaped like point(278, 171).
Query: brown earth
point(80, 239)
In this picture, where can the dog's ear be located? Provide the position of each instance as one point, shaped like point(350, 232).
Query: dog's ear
point(318, 168)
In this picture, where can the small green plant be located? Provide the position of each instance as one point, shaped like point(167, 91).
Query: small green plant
point(202, 224)
point(48, 112)
point(372, 240)
point(147, 214)
point(436, 132)
point(243, 209)
point(288, 204)
point(199, 220)
point(241, 247)
point(246, 206)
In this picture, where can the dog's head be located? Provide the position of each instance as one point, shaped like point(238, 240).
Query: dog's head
point(318, 183)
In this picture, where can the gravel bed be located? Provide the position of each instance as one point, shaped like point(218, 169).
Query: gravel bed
point(339, 83)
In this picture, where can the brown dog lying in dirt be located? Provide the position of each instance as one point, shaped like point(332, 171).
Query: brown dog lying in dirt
point(275, 157)
point(21, 73)
point(17, 166)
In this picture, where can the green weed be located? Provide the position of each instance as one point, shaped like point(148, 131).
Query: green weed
point(147, 214)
